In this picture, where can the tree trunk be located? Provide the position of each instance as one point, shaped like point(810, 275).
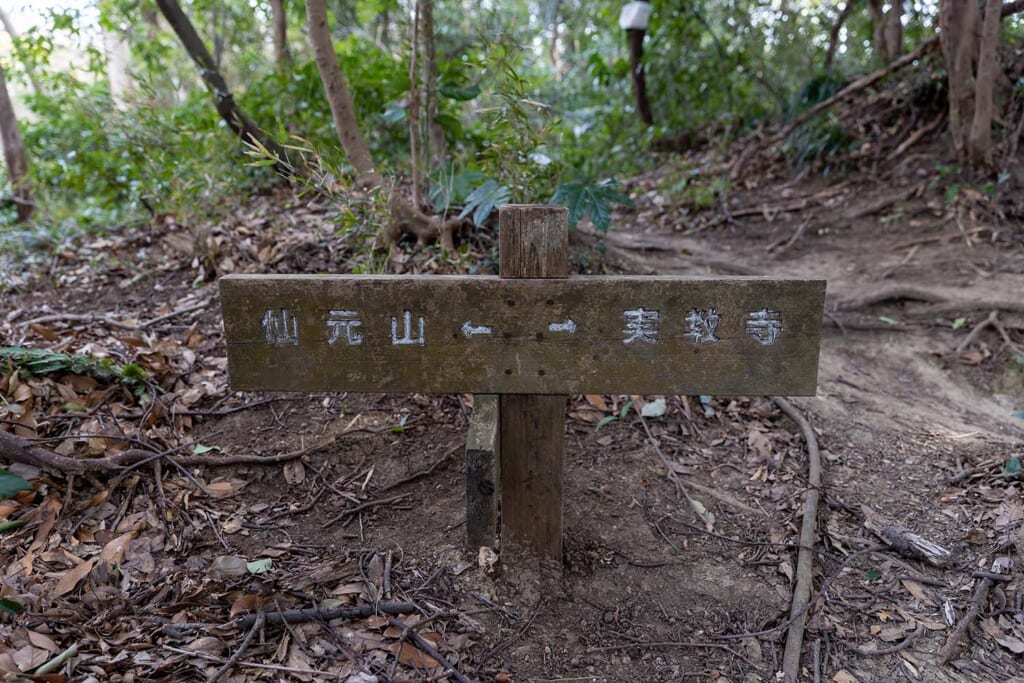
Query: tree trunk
point(279, 19)
point(636, 53)
point(557, 64)
point(979, 140)
point(414, 105)
point(833, 34)
point(14, 154)
point(338, 96)
point(894, 30)
point(436, 151)
point(959, 23)
point(226, 106)
point(877, 29)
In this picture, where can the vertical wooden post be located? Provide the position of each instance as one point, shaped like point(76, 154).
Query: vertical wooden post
point(534, 243)
point(483, 453)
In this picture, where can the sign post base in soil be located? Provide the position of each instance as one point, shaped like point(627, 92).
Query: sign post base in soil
point(531, 336)
point(533, 243)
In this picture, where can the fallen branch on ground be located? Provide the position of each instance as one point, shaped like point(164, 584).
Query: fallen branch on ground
point(980, 596)
point(16, 449)
point(426, 646)
point(904, 541)
point(257, 624)
point(805, 558)
point(107, 320)
point(299, 616)
point(892, 649)
point(991, 321)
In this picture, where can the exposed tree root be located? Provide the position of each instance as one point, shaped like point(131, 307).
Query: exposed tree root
point(407, 219)
point(805, 558)
point(938, 301)
point(16, 449)
point(980, 596)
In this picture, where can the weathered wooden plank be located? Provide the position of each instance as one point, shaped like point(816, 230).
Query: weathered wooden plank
point(487, 335)
point(534, 243)
point(483, 453)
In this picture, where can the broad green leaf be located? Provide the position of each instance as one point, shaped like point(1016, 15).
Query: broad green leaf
point(200, 449)
point(11, 483)
point(454, 92)
point(959, 322)
point(484, 199)
point(10, 605)
point(259, 566)
point(585, 196)
point(605, 420)
point(451, 125)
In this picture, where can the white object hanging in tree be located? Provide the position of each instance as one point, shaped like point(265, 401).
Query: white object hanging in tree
point(634, 15)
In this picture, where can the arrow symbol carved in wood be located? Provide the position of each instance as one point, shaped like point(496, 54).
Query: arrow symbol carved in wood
point(469, 329)
point(569, 326)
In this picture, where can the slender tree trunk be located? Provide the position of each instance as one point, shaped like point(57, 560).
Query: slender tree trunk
point(959, 22)
point(414, 106)
point(979, 140)
point(636, 53)
point(279, 19)
point(225, 103)
point(833, 34)
point(338, 96)
point(14, 154)
point(436, 151)
point(13, 34)
point(893, 31)
point(877, 29)
point(555, 50)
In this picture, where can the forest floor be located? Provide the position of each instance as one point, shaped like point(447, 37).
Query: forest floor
point(919, 415)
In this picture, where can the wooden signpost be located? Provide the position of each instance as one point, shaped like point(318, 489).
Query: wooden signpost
point(531, 336)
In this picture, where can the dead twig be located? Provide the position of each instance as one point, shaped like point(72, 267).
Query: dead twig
point(805, 557)
point(878, 652)
point(426, 472)
point(107, 320)
point(980, 596)
point(426, 646)
point(299, 616)
point(257, 624)
point(364, 506)
point(917, 135)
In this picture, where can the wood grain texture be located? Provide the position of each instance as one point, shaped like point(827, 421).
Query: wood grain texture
point(483, 453)
point(534, 243)
point(521, 354)
point(532, 443)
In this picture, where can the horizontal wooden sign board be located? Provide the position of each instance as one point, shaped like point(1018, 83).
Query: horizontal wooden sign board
point(481, 334)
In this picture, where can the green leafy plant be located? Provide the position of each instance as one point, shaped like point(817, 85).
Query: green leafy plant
point(621, 415)
point(11, 483)
point(587, 196)
point(484, 199)
point(44, 362)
